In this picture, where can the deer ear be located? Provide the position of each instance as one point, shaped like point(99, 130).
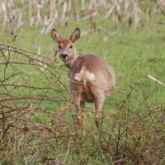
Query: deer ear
point(75, 35)
point(55, 35)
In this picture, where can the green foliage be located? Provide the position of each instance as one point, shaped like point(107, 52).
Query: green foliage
point(36, 112)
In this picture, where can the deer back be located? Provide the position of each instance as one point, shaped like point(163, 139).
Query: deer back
point(91, 73)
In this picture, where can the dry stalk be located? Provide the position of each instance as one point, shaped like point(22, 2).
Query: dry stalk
point(68, 149)
point(156, 80)
point(74, 9)
point(161, 4)
point(119, 10)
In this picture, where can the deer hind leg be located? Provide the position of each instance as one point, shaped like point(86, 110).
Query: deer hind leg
point(98, 113)
point(99, 102)
point(76, 102)
point(83, 114)
point(80, 120)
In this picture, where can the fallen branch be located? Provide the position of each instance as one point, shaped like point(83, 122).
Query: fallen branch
point(156, 80)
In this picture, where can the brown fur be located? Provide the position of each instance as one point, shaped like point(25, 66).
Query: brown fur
point(91, 77)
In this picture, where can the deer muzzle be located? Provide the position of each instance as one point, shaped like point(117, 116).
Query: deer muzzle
point(64, 56)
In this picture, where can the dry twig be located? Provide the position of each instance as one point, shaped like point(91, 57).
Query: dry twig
point(156, 80)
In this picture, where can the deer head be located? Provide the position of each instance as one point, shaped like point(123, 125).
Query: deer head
point(66, 47)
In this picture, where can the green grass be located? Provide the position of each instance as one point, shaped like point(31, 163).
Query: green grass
point(36, 111)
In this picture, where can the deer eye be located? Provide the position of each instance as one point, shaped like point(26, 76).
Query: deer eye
point(59, 46)
point(71, 46)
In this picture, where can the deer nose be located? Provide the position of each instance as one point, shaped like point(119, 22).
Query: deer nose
point(64, 55)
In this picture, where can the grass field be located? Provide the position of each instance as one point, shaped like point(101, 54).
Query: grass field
point(36, 114)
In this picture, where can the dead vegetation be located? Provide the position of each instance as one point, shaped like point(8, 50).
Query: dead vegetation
point(33, 134)
point(46, 13)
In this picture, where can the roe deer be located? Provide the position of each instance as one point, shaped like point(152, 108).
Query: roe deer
point(91, 78)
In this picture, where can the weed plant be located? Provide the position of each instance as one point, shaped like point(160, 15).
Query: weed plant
point(36, 111)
